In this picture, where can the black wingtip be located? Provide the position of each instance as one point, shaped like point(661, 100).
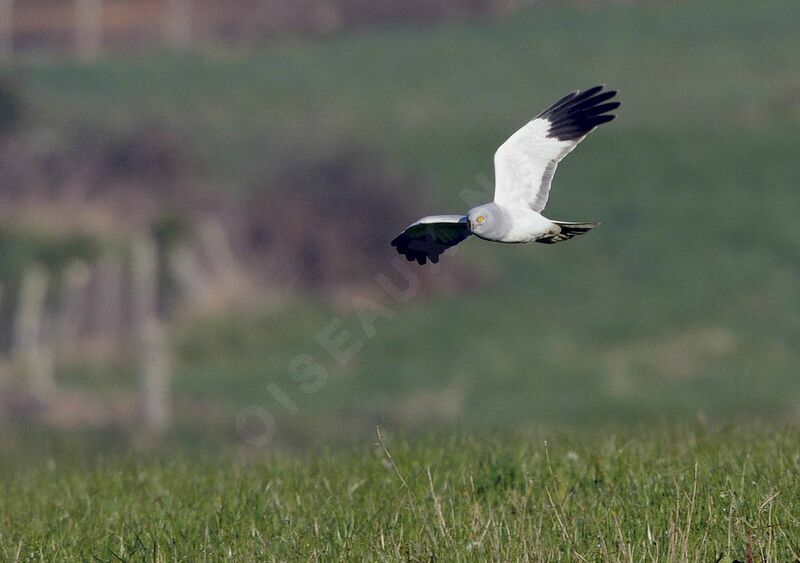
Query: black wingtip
point(576, 114)
point(415, 250)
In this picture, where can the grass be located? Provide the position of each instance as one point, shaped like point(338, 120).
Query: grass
point(695, 494)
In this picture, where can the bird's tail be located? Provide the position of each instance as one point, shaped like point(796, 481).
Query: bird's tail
point(568, 230)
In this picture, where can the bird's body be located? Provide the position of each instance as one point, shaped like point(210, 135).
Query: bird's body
point(524, 169)
point(518, 225)
point(528, 226)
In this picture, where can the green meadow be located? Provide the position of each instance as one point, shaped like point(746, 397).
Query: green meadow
point(645, 495)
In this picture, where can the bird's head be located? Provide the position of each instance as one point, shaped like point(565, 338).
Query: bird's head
point(484, 219)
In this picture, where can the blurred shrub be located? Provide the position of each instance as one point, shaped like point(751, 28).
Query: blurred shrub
point(109, 180)
point(147, 154)
point(322, 222)
point(328, 221)
point(21, 249)
point(325, 224)
point(11, 105)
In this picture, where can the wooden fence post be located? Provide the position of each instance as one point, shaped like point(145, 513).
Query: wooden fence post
point(30, 352)
point(88, 29)
point(154, 365)
point(6, 30)
point(4, 373)
point(178, 24)
point(72, 309)
point(224, 263)
point(193, 283)
point(109, 303)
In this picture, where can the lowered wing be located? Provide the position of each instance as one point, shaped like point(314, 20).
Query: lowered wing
point(525, 164)
point(430, 236)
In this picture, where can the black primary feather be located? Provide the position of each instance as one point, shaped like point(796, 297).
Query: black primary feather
point(423, 242)
point(575, 115)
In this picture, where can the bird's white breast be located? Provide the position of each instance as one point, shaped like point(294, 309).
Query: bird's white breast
point(526, 226)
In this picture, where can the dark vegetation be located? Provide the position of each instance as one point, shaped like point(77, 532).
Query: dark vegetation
point(96, 184)
point(323, 225)
point(10, 105)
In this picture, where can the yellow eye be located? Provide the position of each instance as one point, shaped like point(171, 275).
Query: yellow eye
point(481, 219)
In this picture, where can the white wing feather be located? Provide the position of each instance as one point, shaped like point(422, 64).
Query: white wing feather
point(525, 164)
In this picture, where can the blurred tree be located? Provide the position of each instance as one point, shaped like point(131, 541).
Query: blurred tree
point(152, 347)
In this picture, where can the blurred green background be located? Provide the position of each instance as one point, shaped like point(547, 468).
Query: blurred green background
point(684, 304)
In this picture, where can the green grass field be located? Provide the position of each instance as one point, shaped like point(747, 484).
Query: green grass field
point(647, 495)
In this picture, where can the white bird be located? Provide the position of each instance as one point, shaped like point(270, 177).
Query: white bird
point(523, 167)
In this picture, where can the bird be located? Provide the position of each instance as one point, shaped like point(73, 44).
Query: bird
point(524, 166)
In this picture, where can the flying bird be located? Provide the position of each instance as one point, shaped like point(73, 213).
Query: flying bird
point(523, 167)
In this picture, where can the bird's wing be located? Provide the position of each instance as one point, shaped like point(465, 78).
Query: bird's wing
point(430, 236)
point(524, 165)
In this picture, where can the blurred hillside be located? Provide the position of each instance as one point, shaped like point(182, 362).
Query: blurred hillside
point(95, 25)
point(262, 170)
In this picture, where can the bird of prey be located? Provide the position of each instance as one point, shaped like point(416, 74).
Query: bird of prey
point(524, 167)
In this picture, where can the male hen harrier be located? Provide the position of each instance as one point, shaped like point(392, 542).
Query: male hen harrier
point(524, 166)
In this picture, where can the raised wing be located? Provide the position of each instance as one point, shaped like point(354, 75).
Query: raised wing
point(430, 236)
point(525, 164)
